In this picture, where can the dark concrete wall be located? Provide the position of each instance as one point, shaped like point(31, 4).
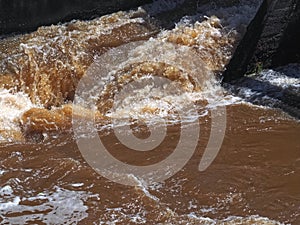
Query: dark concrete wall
point(238, 65)
point(19, 16)
point(289, 48)
point(277, 39)
point(271, 40)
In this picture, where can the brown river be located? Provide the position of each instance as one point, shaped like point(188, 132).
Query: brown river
point(118, 121)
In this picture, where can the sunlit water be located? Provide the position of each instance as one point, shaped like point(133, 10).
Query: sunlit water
point(44, 179)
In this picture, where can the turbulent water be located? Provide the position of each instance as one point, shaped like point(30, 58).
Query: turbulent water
point(122, 70)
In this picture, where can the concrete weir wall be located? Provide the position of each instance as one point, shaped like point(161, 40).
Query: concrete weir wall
point(272, 39)
point(23, 16)
point(18, 16)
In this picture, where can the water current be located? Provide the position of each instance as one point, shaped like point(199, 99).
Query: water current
point(144, 91)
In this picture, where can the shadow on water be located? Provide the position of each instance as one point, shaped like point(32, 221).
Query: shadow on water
point(293, 70)
point(279, 88)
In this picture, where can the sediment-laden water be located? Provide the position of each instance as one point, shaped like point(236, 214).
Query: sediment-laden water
point(158, 75)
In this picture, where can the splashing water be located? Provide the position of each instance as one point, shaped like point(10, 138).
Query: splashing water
point(12, 106)
point(48, 64)
point(39, 73)
point(59, 206)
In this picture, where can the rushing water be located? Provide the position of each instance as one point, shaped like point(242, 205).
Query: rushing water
point(254, 178)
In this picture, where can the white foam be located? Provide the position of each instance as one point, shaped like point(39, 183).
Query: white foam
point(6, 190)
point(77, 185)
point(251, 220)
point(281, 78)
point(12, 106)
point(269, 87)
point(60, 206)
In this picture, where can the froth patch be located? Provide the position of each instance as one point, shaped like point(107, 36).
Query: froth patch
point(12, 106)
point(60, 206)
point(212, 41)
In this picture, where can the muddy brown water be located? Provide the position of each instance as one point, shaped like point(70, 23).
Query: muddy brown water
point(255, 173)
point(44, 179)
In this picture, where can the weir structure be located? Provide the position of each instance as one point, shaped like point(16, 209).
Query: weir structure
point(20, 16)
point(271, 40)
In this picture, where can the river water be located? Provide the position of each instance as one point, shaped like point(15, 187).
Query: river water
point(64, 83)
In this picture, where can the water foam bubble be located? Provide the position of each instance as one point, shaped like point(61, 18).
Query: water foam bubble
point(12, 106)
point(60, 206)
